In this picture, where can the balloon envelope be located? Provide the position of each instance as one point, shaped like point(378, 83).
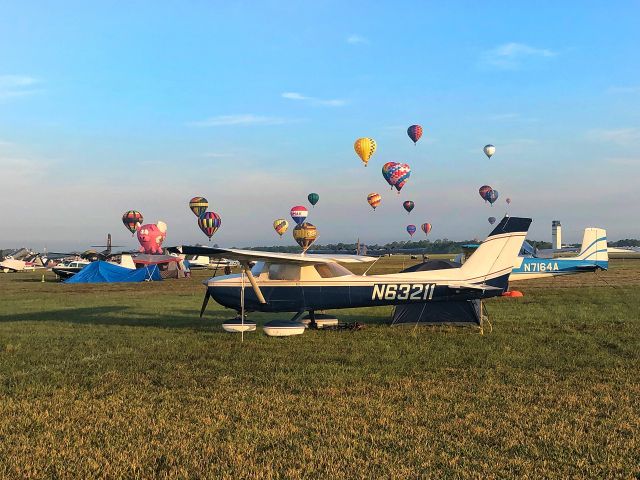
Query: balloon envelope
point(386, 171)
point(374, 199)
point(492, 220)
point(209, 222)
point(483, 191)
point(198, 205)
point(299, 214)
point(408, 205)
point(365, 147)
point(508, 200)
point(132, 220)
point(491, 196)
point(399, 175)
point(489, 150)
point(280, 226)
point(426, 228)
point(305, 234)
point(313, 198)
point(411, 229)
point(414, 132)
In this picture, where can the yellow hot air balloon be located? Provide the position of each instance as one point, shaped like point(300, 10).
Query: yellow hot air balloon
point(365, 147)
point(305, 234)
point(280, 226)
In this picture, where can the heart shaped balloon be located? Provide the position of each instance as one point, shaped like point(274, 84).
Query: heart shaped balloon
point(399, 175)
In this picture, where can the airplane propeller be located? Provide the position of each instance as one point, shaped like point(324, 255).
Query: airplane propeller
point(204, 302)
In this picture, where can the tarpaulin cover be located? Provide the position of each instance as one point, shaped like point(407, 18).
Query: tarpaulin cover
point(104, 272)
point(463, 312)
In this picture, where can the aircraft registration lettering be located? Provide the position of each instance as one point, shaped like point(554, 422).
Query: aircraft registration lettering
point(403, 291)
point(541, 267)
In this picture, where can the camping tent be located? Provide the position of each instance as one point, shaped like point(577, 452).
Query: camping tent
point(170, 266)
point(465, 312)
point(104, 272)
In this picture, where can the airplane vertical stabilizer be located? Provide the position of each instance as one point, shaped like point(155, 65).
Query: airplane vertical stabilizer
point(496, 255)
point(594, 245)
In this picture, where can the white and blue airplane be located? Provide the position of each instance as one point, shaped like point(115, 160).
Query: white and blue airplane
point(300, 283)
point(593, 256)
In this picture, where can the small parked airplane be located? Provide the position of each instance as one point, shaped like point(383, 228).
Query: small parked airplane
point(299, 283)
point(593, 256)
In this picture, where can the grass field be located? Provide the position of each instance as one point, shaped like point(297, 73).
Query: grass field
point(125, 381)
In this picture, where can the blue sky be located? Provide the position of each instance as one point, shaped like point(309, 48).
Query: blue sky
point(106, 108)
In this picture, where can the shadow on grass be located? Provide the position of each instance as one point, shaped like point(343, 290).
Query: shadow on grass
point(123, 316)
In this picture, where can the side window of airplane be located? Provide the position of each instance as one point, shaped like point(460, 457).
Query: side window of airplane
point(284, 271)
point(330, 270)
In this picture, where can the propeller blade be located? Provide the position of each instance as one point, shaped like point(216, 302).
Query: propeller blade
point(204, 303)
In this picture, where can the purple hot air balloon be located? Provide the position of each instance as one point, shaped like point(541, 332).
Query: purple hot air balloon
point(414, 132)
point(411, 229)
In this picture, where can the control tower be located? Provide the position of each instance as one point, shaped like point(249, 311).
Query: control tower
point(556, 235)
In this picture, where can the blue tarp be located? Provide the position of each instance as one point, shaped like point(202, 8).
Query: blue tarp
point(104, 272)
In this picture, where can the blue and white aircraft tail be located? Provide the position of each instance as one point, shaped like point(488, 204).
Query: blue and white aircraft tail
point(593, 256)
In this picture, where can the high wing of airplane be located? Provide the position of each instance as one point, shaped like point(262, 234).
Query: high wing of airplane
point(281, 282)
point(593, 256)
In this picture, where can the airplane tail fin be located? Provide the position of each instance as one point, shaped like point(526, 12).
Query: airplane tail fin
point(493, 260)
point(594, 247)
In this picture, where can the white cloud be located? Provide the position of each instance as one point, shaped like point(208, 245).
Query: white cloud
point(512, 55)
point(12, 86)
point(620, 136)
point(216, 155)
point(239, 119)
point(336, 102)
point(355, 39)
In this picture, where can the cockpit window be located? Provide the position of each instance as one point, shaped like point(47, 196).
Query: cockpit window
point(284, 271)
point(329, 270)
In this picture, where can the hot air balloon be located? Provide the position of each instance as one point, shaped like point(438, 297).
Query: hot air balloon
point(508, 200)
point(491, 196)
point(132, 220)
point(151, 237)
point(483, 191)
point(365, 147)
point(411, 229)
point(305, 234)
point(387, 170)
point(492, 220)
point(426, 228)
point(280, 226)
point(198, 205)
point(400, 175)
point(313, 198)
point(299, 214)
point(489, 150)
point(408, 205)
point(209, 222)
point(374, 199)
point(414, 132)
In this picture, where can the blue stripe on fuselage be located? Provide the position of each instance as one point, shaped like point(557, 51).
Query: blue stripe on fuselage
point(297, 298)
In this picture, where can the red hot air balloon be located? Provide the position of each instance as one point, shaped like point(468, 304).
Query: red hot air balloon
point(426, 228)
point(414, 132)
point(408, 205)
point(483, 191)
point(299, 214)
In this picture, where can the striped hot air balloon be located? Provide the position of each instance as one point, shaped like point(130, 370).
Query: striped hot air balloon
point(198, 205)
point(374, 199)
point(299, 214)
point(426, 228)
point(414, 132)
point(209, 222)
point(305, 234)
point(132, 219)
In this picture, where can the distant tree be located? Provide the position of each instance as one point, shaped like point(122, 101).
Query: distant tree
point(627, 242)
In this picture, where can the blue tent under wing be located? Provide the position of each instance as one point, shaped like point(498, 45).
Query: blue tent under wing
point(104, 272)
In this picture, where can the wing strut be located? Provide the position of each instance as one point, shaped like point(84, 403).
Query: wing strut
point(254, 284)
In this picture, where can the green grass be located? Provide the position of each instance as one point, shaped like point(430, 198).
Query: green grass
point(126, 381)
